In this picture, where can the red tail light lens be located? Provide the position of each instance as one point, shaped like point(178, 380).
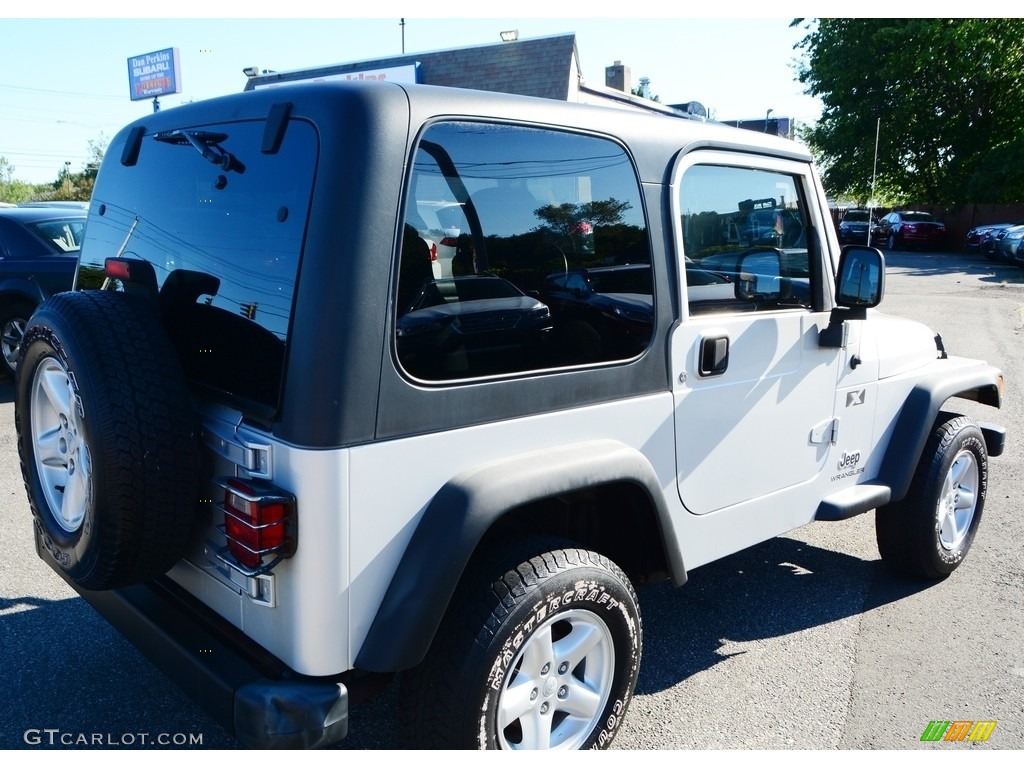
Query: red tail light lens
point(259, 520)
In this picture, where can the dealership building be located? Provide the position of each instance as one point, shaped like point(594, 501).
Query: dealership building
point(545, 67)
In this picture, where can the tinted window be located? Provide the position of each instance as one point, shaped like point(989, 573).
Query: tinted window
point(744, 227)
point(523, 249)
point(41, 238)
point(225, 246)
point(63, 235)
point(17, 242)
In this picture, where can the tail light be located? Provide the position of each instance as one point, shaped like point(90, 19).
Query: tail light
point(259, 523)
point(449, 241)
point(433, 251)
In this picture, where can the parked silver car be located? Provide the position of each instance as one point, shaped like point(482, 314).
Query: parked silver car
point(1006, 245)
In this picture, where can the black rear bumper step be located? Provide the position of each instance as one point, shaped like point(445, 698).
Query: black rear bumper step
point(262, 703)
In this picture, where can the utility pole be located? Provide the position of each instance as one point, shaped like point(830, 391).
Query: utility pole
point(401, 23)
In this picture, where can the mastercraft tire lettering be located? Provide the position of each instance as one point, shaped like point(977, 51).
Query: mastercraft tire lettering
point(546, 657)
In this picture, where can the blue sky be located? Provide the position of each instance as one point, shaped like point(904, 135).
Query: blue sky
point(64, 82)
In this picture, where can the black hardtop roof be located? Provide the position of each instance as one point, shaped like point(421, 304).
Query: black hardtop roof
point(320, 102)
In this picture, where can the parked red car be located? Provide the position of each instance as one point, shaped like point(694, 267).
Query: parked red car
point(910, 229)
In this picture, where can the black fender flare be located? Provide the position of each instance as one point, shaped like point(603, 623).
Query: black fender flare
point(459, 515)
point(980, 383)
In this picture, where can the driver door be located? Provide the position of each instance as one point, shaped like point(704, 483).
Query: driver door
point(754, 391)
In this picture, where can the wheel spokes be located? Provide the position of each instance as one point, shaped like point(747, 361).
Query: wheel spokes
point(558, 688)
point(76, 493)
point(536, 728)
point(538, 654)
point(582, 701)
point(958, 501)
point(574, 647)
point(49, 448)
point(54, 385)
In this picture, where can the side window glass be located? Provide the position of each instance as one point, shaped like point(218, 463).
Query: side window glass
point(523, 249)
point(745, 240)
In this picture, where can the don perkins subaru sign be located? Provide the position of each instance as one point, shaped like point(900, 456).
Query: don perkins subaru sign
point(154, 74)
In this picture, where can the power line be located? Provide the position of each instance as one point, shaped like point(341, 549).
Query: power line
point(26, 89)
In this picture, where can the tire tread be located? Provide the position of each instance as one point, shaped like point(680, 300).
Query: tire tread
point(143, 433)
point(475, 621)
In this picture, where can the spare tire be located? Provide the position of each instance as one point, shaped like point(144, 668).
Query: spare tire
point(108, 441)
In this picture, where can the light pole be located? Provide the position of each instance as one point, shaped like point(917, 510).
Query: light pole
point(67, 178)
point(766, 116)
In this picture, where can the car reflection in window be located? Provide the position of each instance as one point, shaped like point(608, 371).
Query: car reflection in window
point(781, 278)
point(476, 325)
point(601, 313)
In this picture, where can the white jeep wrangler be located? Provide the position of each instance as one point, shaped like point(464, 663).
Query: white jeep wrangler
point(281, 448)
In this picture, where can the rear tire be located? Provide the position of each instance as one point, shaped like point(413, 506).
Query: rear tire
point(929, 533)
point(107, 439)
point(536, 652)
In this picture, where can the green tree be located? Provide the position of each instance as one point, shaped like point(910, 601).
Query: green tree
point(77, 186)
point(948, 93)
point(12, 190)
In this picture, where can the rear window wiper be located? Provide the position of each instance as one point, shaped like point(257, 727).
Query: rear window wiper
point(207, 144)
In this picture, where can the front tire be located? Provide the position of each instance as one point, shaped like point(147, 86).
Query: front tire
point(891, 244)
point(929, 533)
point(543, 653)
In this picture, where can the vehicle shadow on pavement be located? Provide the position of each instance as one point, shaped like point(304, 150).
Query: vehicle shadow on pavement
point(92, 684)
point(70, 681)
point(777, 588)
point(922, 263)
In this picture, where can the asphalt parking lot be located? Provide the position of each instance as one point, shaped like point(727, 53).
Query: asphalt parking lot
point(803, 642)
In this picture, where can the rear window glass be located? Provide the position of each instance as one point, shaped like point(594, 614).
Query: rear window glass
point(224, 243)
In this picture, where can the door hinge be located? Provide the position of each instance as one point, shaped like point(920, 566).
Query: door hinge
point(826, 432)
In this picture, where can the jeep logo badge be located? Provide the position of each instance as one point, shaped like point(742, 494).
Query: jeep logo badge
point(849, 459)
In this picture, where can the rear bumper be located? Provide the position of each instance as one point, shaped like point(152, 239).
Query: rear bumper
point(926, 238)
point(255, 697)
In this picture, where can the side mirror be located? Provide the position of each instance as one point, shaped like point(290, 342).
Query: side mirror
point(861, 280)
point(859, 286)
point(759, 276)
